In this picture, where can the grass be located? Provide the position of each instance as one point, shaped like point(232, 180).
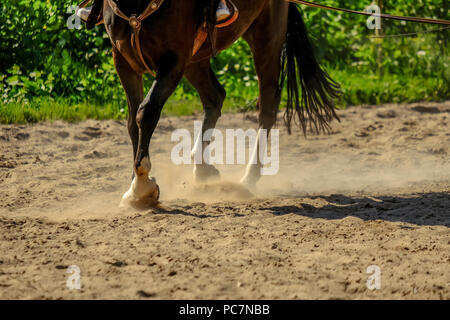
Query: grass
point(371, 89)
point(43, 108)
point(358, 88)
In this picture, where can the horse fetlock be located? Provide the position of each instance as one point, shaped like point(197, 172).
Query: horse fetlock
point(143, 167)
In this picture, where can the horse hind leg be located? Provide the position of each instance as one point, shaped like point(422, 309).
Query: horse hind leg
point(212, 95)
point(266, 39)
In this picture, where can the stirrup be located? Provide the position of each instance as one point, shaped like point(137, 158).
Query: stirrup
point(84, 13)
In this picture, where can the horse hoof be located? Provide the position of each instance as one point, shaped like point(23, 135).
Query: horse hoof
point(248, 182)
point(204, 173)
point(143, 194)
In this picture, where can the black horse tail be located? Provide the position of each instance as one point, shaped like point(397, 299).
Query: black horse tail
point(301, 69)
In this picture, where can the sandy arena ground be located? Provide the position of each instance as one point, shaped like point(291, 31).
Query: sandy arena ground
point(374, 192)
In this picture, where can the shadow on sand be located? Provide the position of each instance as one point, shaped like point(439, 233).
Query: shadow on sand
point(428, 209)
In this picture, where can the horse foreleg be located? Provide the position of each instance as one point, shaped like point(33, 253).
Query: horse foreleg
point(144, 192)
point(212, 95)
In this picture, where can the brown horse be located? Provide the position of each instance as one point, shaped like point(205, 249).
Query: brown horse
point(277, 36)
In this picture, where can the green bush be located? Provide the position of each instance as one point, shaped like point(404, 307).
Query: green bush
point(41, 57)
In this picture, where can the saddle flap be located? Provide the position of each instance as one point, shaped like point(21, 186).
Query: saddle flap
point(202, 33)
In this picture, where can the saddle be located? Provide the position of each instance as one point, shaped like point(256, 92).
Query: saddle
point(96, 18)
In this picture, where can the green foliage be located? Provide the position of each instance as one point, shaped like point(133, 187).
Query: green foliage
point(42, 60)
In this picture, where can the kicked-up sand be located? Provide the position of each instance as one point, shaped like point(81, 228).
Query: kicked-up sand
point(375, 192)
